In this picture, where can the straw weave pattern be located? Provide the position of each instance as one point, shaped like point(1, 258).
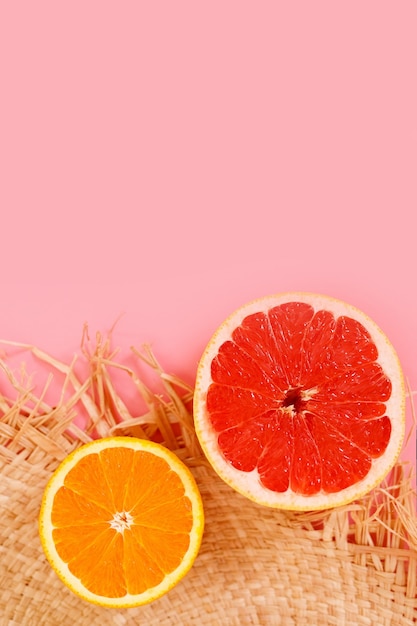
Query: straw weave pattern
point(256, 565)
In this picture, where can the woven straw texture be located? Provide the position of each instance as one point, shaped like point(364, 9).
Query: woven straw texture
point(352, 566)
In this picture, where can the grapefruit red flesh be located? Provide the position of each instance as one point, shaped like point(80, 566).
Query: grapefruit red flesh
point(299, 401)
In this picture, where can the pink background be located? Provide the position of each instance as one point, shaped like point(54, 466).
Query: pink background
point(172, 160)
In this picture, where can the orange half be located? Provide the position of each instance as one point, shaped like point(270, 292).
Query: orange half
point(121, 521)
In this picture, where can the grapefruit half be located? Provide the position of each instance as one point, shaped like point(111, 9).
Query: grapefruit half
point(299, 402)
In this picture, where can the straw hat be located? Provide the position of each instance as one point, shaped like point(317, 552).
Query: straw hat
point(350, 566)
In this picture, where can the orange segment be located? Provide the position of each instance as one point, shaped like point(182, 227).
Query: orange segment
point(73, 509)
point(162, 548)
point(299, 401)
point(104, 576)
point(116, 465)
point(121, 521)
point(88, 473)
point(141, 564)
point(71, 541)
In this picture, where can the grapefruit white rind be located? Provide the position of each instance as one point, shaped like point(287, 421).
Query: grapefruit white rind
point(46, 527)
point(248, 483)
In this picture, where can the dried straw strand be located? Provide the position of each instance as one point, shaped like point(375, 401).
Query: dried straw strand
point(377, 535)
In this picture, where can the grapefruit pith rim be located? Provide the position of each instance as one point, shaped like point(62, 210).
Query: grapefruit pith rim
point(248, 482)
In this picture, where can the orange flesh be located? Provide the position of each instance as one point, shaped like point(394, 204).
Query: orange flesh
point(132, 483)
point(300, 396)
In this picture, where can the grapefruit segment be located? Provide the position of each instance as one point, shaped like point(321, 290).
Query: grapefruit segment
point(255, 336)
point(275, 463)
point(289, 323)
point(229, 406)
point(343, 463)
point(299, 402)
point(316, 358)
point(234, 367)
point(306, 469)
point(244, 443)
